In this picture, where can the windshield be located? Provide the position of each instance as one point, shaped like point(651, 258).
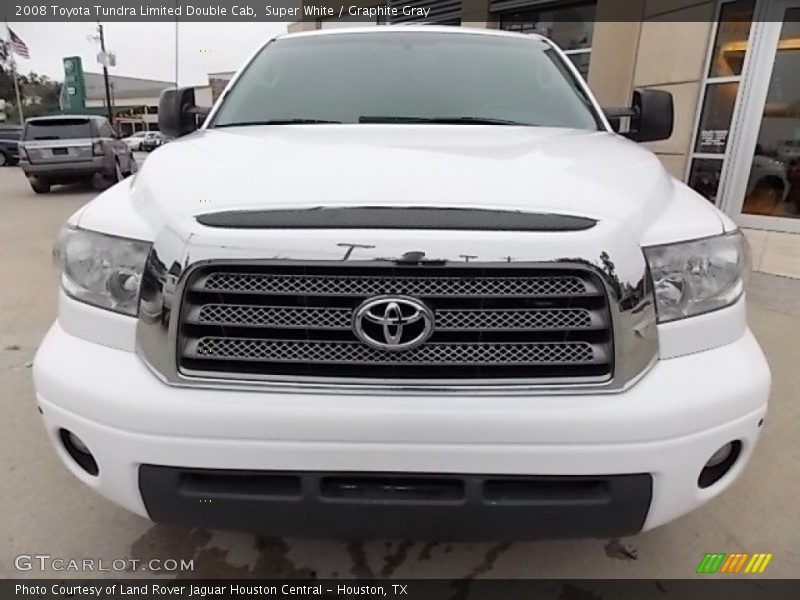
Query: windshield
point(407, 77)
point(58, 129)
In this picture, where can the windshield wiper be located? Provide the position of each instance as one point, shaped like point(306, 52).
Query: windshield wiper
point(278, 122)
point(440, 120)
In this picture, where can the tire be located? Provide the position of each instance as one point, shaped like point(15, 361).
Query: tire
point(4, 159)
point(103, 181)
point(39, 186)
point(774, 185)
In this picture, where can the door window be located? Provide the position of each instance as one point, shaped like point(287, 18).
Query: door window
point(720, 93)
point(773, 187)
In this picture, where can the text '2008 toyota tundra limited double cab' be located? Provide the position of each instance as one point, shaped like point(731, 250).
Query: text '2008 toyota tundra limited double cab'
point(405, 282)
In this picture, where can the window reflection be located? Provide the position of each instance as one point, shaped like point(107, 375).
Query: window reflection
point(571, 27)
point(773, 188)
point(715, 118)
point(704, 177)
point(732, 38)
point(581, 61)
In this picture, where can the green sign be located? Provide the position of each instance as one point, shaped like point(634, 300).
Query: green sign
point(74, 86)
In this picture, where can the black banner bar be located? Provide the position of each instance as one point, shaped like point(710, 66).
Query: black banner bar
point(750, 588)
point(357, 11)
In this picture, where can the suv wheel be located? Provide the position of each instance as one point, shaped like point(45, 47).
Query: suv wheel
point(39, 186)
point(4, 159)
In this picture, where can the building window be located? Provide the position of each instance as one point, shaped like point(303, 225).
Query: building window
point(570, 26)
point(720, 91)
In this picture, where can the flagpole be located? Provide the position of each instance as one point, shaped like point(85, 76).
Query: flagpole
point(14, 75)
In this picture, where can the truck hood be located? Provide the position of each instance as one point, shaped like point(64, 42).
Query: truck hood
point(532, 169)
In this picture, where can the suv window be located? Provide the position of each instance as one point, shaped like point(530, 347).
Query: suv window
point(408, 77)
point(58, 129)
point(104, 129)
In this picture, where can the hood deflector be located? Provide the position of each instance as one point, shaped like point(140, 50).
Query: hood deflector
point(395, 218)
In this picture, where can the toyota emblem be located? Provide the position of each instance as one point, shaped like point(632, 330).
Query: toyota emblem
point(393, 323)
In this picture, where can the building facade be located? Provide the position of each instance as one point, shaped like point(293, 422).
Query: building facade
point(134, 100)
point(733, 68)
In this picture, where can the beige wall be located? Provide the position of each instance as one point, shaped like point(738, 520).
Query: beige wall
point(666, 49)
point(476, 14)
point(301, 26)
point(614, 49)
point(672, 55)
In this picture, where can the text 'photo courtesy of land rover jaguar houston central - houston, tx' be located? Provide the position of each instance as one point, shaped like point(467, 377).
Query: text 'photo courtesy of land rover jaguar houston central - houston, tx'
point(317, 313)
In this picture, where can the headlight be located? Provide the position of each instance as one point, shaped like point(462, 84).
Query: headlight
point(696, 277)
point(99, 269)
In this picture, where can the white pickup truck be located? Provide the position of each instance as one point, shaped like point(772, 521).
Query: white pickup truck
point(405, 282)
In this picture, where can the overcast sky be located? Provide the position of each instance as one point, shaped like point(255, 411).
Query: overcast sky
point(144, 50)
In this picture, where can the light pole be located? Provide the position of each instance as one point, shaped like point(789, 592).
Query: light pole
point(104, 59)
point(109, 108)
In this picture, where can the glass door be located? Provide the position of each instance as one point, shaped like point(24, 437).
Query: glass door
point(763, 187)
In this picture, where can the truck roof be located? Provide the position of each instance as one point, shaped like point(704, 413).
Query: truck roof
point(401, 28)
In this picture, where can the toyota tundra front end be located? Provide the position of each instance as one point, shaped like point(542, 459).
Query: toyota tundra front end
point(439, 299)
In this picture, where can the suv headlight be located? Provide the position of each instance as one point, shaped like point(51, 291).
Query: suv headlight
point(692, 278)
point(99, 269)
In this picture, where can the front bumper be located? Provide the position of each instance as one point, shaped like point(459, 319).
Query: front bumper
point(430, 506)
point(664, 428)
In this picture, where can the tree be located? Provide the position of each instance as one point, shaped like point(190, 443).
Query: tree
point(39, 93)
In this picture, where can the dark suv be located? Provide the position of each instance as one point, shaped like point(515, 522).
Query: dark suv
point(9, 142)
point(65, 149)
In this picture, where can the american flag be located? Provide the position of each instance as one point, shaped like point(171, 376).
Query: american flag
point(17, 45)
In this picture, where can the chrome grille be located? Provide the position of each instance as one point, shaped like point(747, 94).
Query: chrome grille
point(341, 318)
point(273, 316)
point(514, 319)
point(500, 323)
point(321, 285)
point(431, 354)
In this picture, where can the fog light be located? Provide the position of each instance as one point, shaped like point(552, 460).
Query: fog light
point(76, 441)
point(720, 455)
point(79, 451)
point(719, 464)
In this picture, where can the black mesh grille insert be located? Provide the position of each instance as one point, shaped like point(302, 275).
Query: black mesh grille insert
point(526, 322)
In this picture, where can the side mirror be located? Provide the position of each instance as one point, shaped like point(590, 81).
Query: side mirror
point(177, 112)
point(652, 116)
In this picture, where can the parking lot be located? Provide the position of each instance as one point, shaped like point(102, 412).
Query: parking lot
point(47, 511)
